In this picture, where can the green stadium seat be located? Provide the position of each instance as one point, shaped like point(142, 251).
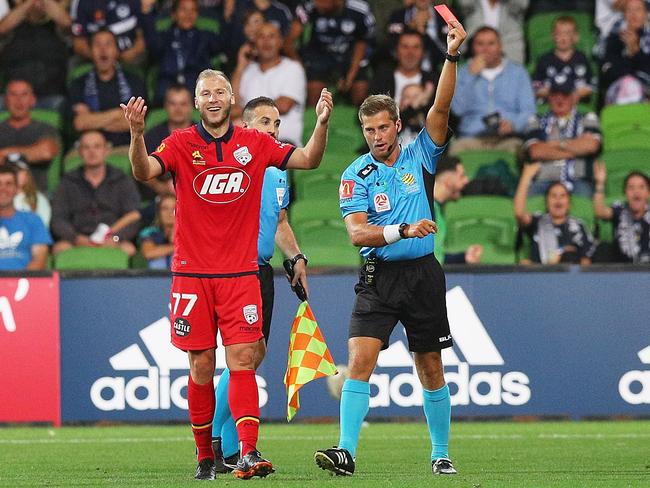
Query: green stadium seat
point(82, 258)
point(78, 71)
point(119, 161)
point(473, 160)
point(326, 243)
point(317, 185)
point(485, 220)
point(138, 261)
point(539, 28)
point(626, 126)
point(158, 116)
point(306, 210)
point(619, 163)
point(202, 23)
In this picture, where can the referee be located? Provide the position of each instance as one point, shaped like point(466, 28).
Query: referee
point(386, 198)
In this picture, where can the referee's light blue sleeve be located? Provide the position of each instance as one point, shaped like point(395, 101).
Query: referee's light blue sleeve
point(353, 194)
point(426, 151)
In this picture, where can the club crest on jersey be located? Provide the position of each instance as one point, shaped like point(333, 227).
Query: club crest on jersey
point(382, 203)
point(197, 158)
point(243, 155)
point(250, 313)
point(221, 185)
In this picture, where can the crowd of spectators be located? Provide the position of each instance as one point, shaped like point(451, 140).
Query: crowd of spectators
point(82, 58)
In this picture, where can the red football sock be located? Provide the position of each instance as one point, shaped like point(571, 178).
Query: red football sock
point(244, 404)
point(200, 399)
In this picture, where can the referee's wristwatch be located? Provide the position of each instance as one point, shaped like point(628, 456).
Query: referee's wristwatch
point(452, 58)
point(402, 230)
point(297, 257)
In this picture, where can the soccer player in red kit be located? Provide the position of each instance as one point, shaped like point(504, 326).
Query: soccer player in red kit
point(218, 172)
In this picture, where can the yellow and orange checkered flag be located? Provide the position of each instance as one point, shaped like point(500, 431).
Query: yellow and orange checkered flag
point(309, 357)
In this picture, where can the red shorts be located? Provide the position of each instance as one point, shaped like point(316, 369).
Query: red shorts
point(200, 306)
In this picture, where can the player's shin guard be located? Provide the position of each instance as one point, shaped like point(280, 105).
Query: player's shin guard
point(200, 399)
point(355, 402)
point(437, 410)
point(244, 405)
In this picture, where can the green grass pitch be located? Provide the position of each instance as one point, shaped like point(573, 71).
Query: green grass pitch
point(494, 454)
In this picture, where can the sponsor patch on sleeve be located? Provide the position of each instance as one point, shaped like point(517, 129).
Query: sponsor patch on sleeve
point(346, 190)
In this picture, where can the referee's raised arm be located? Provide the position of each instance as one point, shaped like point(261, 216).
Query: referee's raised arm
point(144, 167)
point(438, 115)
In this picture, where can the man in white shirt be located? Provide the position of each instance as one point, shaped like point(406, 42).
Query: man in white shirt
point(261, 71)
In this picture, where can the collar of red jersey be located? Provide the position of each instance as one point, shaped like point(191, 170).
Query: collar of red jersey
point(207, 137)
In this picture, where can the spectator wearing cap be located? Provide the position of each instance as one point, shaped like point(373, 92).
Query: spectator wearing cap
point(494, 98)
point(28, 197)
point(24, 240)
point(37, 142)
point(564, 141)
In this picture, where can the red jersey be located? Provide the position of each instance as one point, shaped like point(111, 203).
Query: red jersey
point(218, 185)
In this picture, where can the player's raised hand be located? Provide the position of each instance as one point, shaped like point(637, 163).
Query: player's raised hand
point(421, 228)
point(134, 112)
point(324, 106)
point(455, 37)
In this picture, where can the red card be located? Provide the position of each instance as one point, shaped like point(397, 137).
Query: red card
point(445, 13)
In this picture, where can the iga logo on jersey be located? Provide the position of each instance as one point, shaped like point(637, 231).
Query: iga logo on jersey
point(221, 185)
point(382, 203)
point(242, 155)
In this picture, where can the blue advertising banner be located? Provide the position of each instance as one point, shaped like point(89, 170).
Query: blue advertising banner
point(534, 343)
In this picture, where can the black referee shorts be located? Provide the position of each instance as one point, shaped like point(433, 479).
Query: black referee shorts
point(411, 292)
point(268, 295)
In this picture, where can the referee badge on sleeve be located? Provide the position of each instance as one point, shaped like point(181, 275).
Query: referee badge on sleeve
point(346, 190)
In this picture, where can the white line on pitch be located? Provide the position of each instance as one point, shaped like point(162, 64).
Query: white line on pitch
point(132, 440)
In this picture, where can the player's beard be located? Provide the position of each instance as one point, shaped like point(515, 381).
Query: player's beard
point(216, 122)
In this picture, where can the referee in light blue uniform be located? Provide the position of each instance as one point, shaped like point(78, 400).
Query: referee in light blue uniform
point(262, 114)
point(386, 199)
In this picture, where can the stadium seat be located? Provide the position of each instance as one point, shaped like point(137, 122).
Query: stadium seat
point(581, 207)
point(626, 126)
point(619, 163)
point(317, 185)
point(310, 209)
point(119, 161)
point(326, 243)
point(485, 220)
point(81, 258)
point(158, 116)
point(473, 160)
point(138, 261)
point(78, 71)
point(203, 23)
point(538, 33)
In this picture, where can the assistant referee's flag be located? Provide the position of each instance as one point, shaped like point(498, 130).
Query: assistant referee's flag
point(309, 357)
